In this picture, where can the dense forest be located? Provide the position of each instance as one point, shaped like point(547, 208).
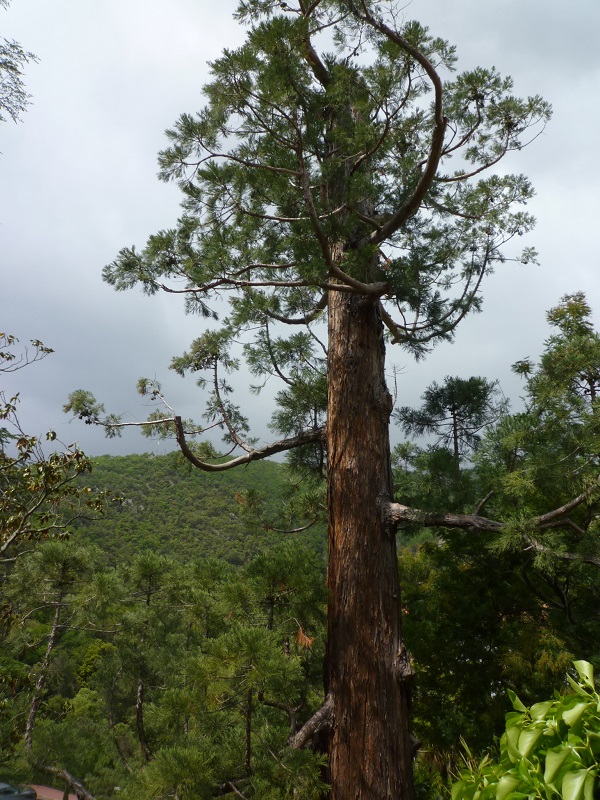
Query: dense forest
point(172, 644)
point(160, 503)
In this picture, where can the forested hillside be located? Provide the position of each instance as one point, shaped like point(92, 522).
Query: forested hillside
point(165, 506)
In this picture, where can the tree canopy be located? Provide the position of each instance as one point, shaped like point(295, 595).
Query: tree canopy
point(164, 672)
point(455, 412)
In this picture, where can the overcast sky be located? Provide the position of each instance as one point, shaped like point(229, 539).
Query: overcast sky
point(78, 183)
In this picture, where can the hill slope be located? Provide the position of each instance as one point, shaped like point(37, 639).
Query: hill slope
point(173, 509)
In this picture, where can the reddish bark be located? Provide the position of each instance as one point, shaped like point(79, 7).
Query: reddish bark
point(367, 669)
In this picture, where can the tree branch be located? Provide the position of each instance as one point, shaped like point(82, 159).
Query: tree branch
point(568, 507)
point(397, 513)
point(323, 718)
point(306, 319)
point(533, 544)
point(281, 446)
point(412, 204)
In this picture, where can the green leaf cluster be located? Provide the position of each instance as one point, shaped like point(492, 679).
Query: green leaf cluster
point(549, 750)
point(41, 495)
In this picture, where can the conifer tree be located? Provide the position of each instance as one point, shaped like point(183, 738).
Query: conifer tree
point(340, 182)
point(455, 412)
point(514, 606)
point(47, 580)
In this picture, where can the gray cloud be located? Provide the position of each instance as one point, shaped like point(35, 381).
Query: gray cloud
point(78, 183)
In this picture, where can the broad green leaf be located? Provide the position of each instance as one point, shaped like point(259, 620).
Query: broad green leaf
point(527, 772)
point(458, 789)
point(540, 710)
point(573, 784)
point(572, 715)
point(507, 784)
point(575, 742)
point(528, 739)
point(588, 786)
point(512, 743)
point(548, 751)
point(577, 687)
point(517, 704)
point(586, 672)
point(554, 760)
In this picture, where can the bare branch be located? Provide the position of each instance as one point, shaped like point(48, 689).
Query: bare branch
point(376, 289)
point(397, 513)
point(323, 718)
point(568, 507)
point(274, 363)
point(231, 785)
point(483, 502)
point(318, 68)
point(224, 415)
point(281, 446)
point(300, 529)
point(243, 162)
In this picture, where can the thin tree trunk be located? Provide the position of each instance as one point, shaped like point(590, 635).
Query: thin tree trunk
point(367, 670)
point(111, 724)
point(43, 675)
point(455, 437)
point(139, 718)
point(248, 748)
point(141, 690)
point(57, 772)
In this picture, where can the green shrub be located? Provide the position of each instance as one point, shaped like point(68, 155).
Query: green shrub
point(550, 750)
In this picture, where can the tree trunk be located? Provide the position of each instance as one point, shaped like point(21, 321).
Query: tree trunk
point(139, 718)
point(367, 673)
point(455, 436)
point(248, 747)
point(40, 683)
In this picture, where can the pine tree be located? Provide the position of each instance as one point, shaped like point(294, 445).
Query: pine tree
point(339, 172)
point(455, 412)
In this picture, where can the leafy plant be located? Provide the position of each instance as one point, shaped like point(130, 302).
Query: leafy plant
point(549, 750)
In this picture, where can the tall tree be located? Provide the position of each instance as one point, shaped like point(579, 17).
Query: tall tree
point(46, 580)
point(569, 370)
point(338, 170)
point(535, 574)
point(455, 412)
